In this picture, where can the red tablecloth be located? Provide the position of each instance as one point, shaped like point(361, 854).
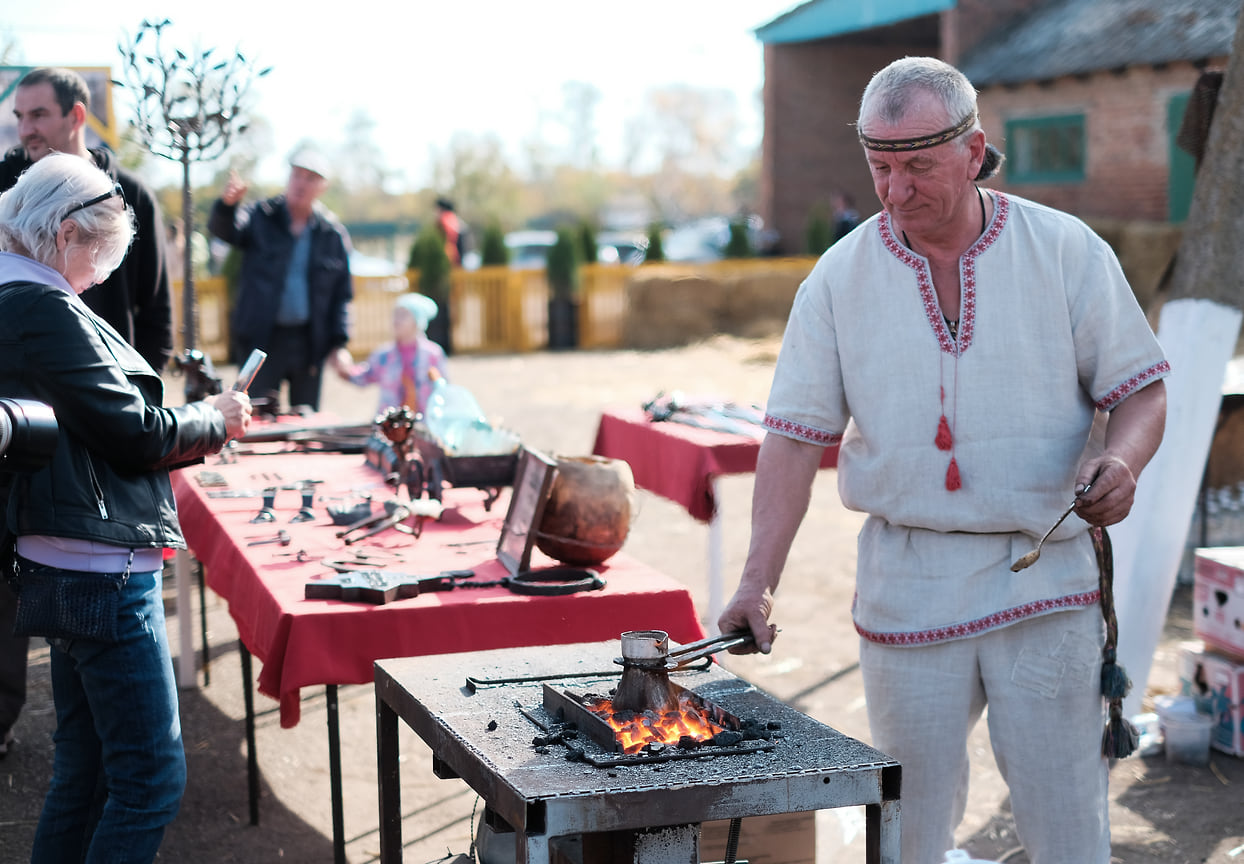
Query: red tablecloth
point(677, 461)
point(313, 642)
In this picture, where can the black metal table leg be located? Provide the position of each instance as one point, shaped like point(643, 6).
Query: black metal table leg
point(207, 657)
point(252, 763)
point(390, 782)
point(334, 774)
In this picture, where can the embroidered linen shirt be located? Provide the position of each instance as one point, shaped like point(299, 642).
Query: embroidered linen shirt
point(1050, 335)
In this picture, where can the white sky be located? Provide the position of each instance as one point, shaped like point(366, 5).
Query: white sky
point(424, 69)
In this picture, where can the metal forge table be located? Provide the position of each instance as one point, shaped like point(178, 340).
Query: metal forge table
point(483, 733)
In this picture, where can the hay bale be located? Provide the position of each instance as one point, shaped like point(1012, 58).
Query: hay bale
point(667, 308)
point(673, 305)
point(757, 304)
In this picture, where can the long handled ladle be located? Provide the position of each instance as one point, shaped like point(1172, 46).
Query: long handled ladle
point(1030, 558)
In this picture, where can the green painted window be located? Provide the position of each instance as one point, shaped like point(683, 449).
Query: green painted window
point(1045, 149)
point(1182, 177)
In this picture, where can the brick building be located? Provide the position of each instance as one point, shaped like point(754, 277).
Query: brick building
point(1084, 96)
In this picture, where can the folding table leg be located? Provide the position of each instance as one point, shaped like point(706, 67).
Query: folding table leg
point(252, 763)
point(334, 775)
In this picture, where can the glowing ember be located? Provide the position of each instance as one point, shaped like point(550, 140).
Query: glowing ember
point(636, 730)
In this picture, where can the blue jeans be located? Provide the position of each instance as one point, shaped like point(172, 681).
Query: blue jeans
point(118, 735)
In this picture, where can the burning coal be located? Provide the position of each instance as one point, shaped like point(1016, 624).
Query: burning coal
point(636, 730)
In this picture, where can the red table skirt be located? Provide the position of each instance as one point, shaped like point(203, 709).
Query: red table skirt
point(313, 642)
point(677, 461)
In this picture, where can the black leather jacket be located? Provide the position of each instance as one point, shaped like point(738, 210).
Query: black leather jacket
point(262, 232)
point(108, 479)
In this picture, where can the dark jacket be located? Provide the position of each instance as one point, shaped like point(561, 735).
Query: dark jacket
point(108, 479)
point(136, 299)
point(262, 233)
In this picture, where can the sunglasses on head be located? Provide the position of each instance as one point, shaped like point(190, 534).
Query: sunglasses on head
point(114, 192)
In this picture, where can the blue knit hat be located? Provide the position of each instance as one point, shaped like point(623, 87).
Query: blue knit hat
point(422, 307)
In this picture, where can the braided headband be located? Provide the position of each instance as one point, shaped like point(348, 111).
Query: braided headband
point(922, 142)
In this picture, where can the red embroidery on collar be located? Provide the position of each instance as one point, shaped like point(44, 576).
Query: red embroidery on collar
point(924, 279)
point(944, 440)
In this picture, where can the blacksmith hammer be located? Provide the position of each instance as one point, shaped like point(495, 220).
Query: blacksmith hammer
point(281, 537)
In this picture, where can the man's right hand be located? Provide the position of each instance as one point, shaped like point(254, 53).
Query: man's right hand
point(750, 609)
point(235, 188)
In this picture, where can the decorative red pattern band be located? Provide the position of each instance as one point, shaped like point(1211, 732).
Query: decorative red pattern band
point(981, 625)
point(920, 142)
point(1131, 385)
point(802, 432)
point(924, 279)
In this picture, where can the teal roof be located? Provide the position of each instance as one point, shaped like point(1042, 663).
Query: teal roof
point(818, 19)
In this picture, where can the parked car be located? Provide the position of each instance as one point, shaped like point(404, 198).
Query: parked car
point(621, 247)
point(530, 249)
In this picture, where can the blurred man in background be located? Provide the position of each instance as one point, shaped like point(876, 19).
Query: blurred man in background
point(294, 288)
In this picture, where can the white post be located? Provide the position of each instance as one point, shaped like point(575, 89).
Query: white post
point(186, 678)
point(1198, 336)
point(716, 598)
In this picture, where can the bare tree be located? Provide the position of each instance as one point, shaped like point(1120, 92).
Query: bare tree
point(688, 138)
point(363, 164)
point(189, 108)
point(580, 101)
point(474, 172)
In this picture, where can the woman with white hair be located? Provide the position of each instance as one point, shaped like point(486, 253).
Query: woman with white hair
point(84, 535)
point(406, 367)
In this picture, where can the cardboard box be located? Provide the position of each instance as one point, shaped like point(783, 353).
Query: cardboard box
point(1219, 681)
point(1218, 600)
point(784, 838)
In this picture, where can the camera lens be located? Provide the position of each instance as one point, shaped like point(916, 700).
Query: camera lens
point(28, 433)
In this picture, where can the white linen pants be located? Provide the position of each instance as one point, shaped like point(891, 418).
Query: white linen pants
point(1040, 678)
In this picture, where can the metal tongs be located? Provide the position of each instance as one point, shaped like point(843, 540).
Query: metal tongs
point(692, 651)
point(395, 514)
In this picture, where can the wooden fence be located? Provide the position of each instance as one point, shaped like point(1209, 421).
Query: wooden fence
point(495, 310)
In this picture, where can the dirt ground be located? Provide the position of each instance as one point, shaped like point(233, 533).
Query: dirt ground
point(1161, 813)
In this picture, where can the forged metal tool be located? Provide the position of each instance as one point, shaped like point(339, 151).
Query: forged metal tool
point(281, 537)
point(372, 586)
point(395, 514)
point(1030, 558)
point(305, 513)
point(267, 514)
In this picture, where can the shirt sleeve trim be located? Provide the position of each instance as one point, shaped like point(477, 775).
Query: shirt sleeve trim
point(1131, 385)
point(804, 433)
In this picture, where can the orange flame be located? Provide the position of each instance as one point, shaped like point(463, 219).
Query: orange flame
point(640, 729)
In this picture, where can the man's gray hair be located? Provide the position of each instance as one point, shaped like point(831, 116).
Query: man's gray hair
point(31, 212)
point(892, 91)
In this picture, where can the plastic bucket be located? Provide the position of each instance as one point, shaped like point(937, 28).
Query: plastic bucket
point(1185, 730)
